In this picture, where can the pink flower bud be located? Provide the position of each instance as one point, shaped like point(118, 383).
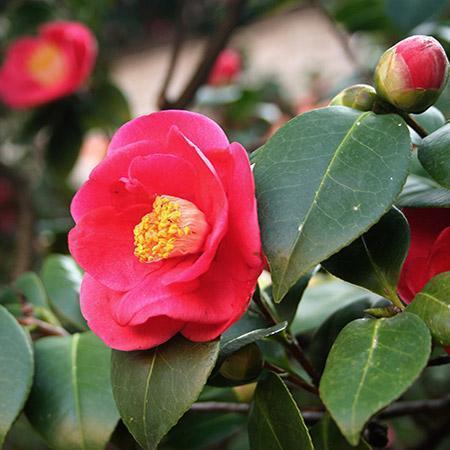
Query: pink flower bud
point(412, 74)
point(226, 68)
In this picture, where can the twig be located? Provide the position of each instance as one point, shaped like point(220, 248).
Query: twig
point(288, 340)
point(413, 407)
point(216, 44)
point(43, 327)
point(342, 37)
point(398, 409)
point(176, 47)
point(413, 124)
point(297, 351)
point(292, 378)
point(25, 223)
point(439, 361)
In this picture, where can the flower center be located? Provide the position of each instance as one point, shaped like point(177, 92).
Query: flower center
point(47, 64)
point(175, 227)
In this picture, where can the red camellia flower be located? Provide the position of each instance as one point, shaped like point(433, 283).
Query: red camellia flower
point(412, 74)
point(39, 69)
point(429, 251)
point(167, 232)
point(226, 68)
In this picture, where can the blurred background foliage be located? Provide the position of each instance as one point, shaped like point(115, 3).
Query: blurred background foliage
point(44, 150)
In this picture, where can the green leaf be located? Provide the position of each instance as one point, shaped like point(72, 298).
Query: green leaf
point(357, 16)
point(372, 362)
point(407, 14)
point(321, 300)
point(230, 346)
point(32, 288)
point(330, 172)
point(431, 120)
point(16, 366)
point(275, 422)
point(204, 431)
point(106, 107)
point(71, 404)
point(434, 154)
point(374, 260)
point(420, 192)
point(62, 279)
point(327, 333)
point(154, 388)
point(326, 436)
point(65, 138)
point(432, 305)
point(30, 285)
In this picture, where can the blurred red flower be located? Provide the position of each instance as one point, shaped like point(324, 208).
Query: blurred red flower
point(429, 251)
point(226, 68)
point(40, 69)
point(167, 232)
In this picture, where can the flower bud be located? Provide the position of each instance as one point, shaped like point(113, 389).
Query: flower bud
point(241, 367)
point(412, 74)
point(360, 96)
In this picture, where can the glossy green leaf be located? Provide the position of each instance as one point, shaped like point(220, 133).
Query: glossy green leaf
point(407, 14)
point(355, 15)
point(275, 422)
point(16, 368)
point(62, 279)
point(30, 285)
point(330, 172)
point(420, 192)
point(431, 120)
point(327, 333)
point(434, 154)
point(432, 305)
point(374, 260)
point(71, 404)
point(372, 362)
point(105, 97)
point(32, 288)
point(326, 436)
point(154, 388)
point(230, 346)
point(323, 299)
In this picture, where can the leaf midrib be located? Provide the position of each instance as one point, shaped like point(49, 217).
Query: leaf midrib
point(146, 399)
point(359, 119)
point(76, 393)
point(374, 341)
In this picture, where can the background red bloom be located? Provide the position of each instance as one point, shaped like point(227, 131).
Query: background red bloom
point(186, 159)
point(429, 252)
point(40, 69)
point(226, 68)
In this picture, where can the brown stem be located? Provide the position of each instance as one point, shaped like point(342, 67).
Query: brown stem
point(289, 341)
point(176, 47)
point(25, 223)
point(398, 409)
point(342, 37)
point(413, 407)
point(297, 351)
point(413, 124)
point(216, 44)
point(292, 378)
point(43, 327)
point(439, 361)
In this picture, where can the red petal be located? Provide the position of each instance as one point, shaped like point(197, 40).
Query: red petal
point(203, 132)
point(96, 301)
point(102, 243)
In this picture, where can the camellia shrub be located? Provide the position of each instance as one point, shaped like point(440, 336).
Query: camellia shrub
point(199, 261)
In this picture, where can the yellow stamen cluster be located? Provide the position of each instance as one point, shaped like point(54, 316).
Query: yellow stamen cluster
point(157, 232)
point(46, 64)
